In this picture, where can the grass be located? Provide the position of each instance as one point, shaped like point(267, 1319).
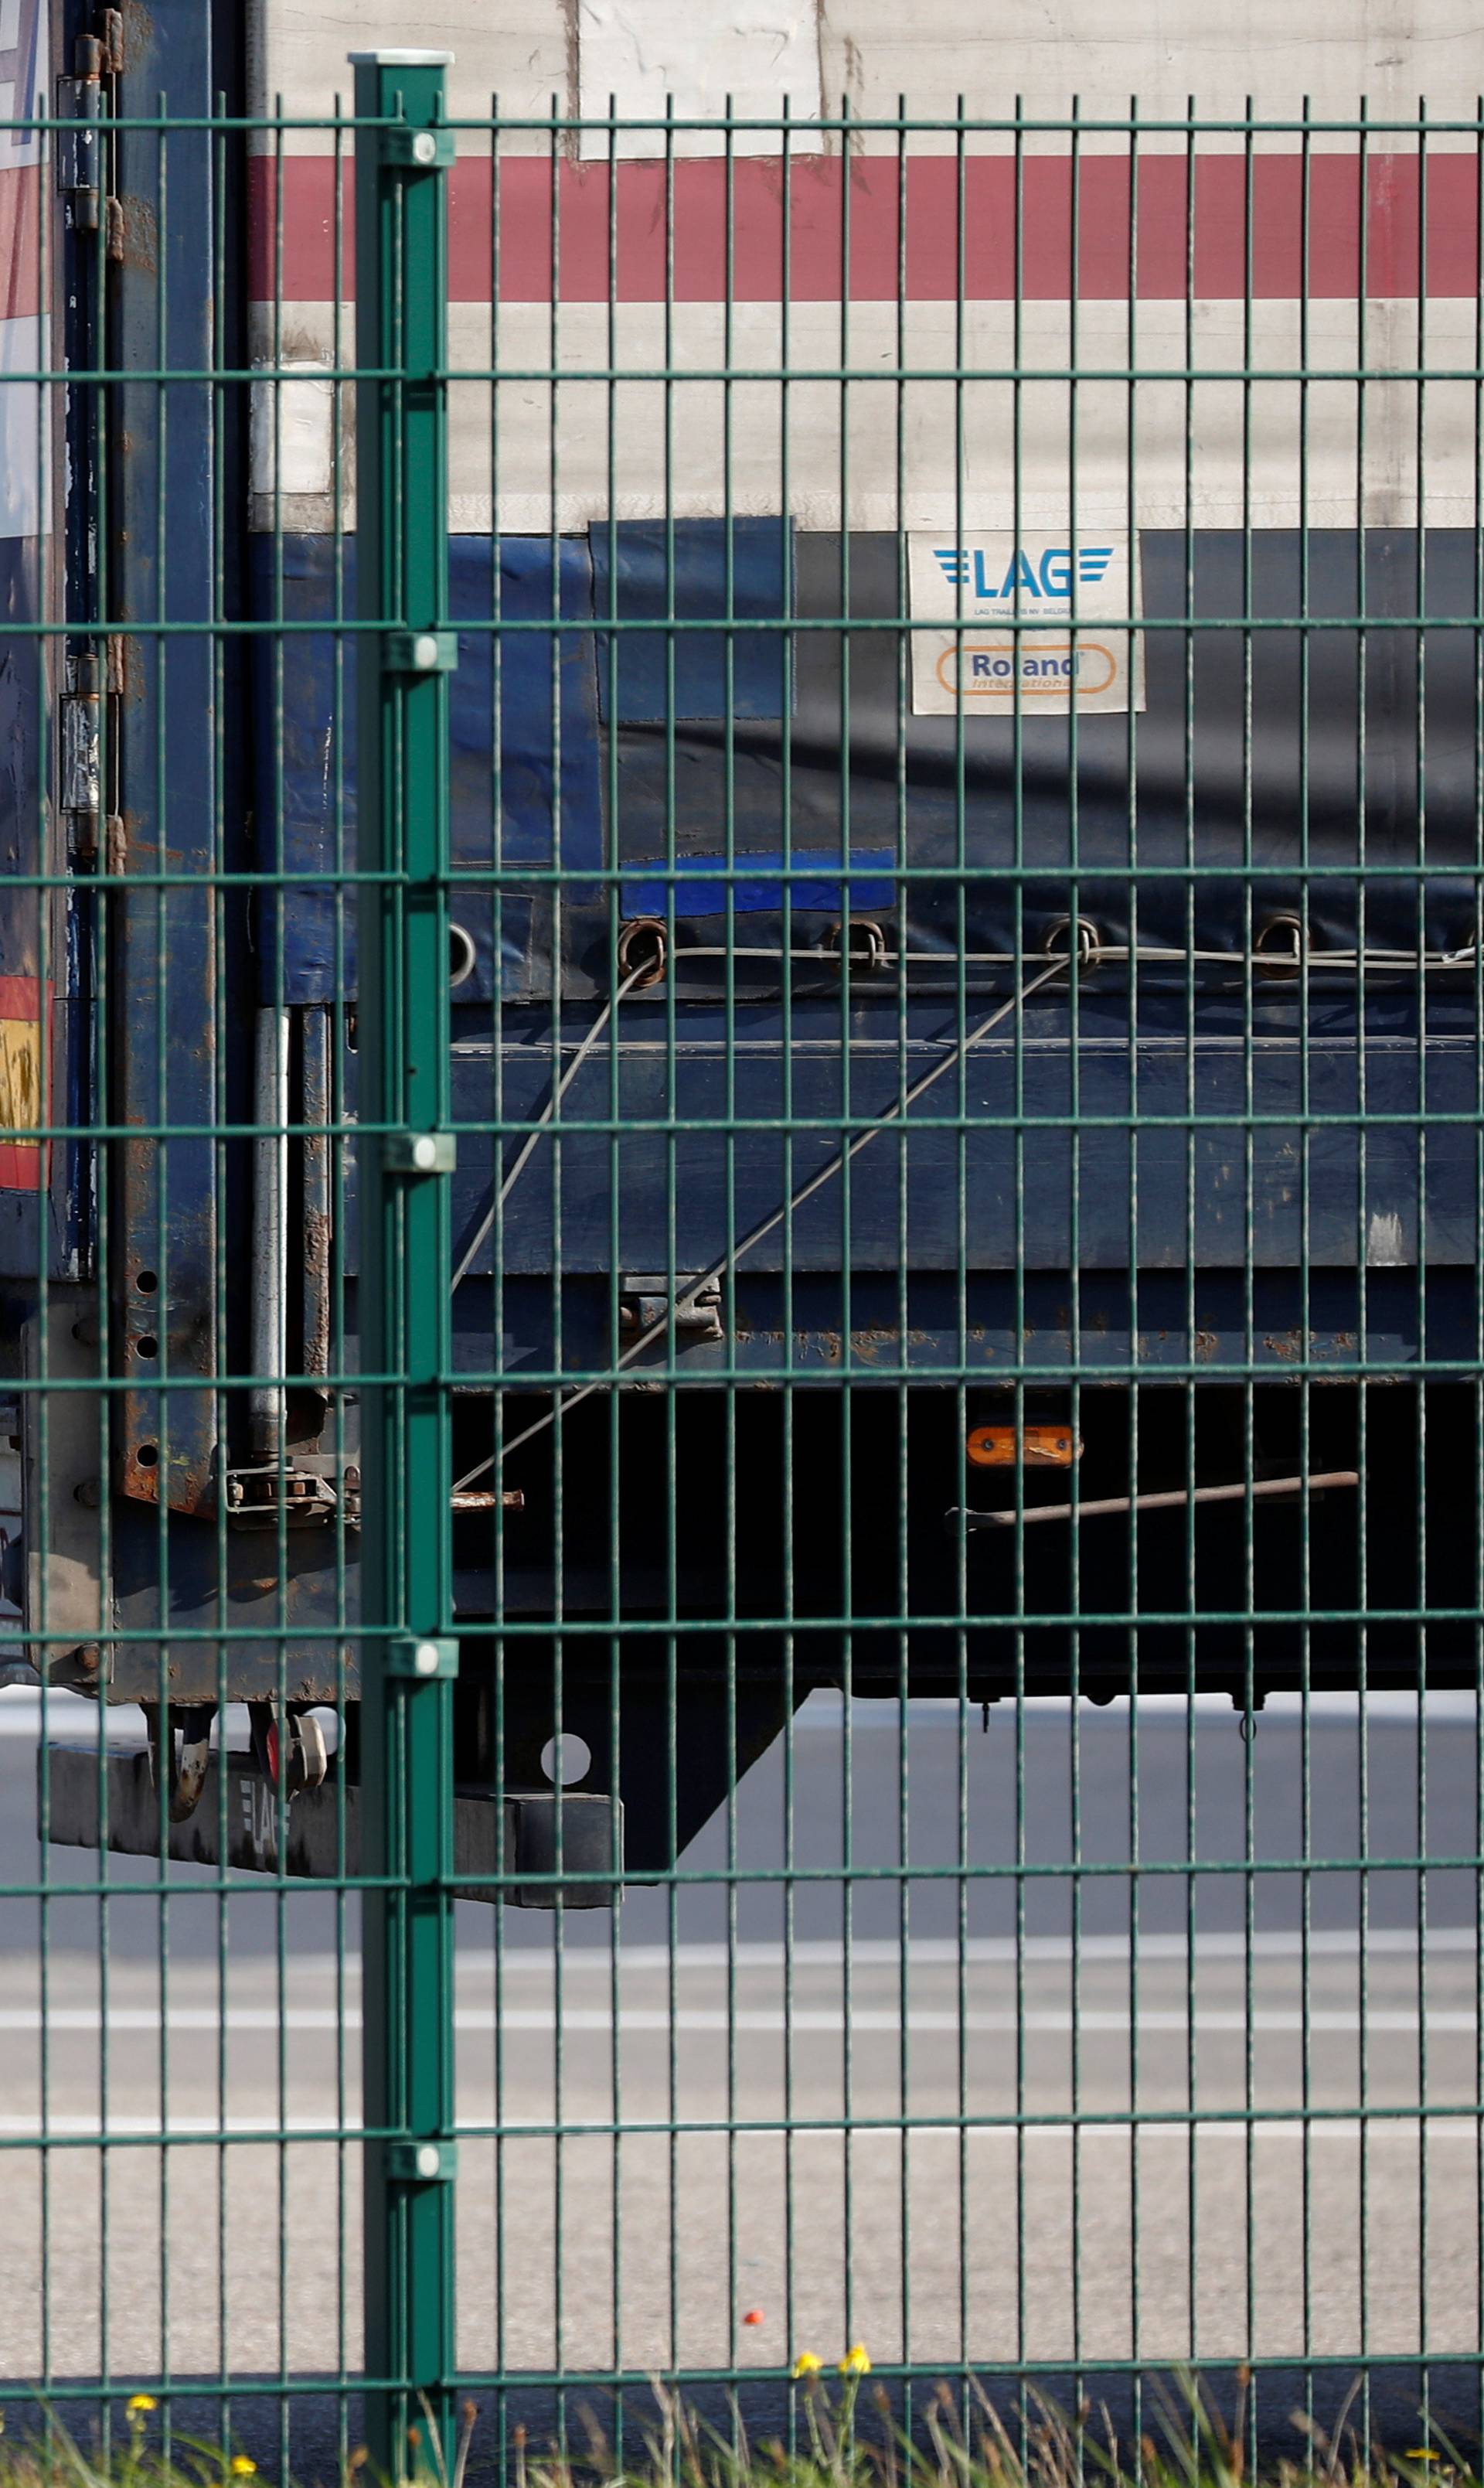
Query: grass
point(848, 2435)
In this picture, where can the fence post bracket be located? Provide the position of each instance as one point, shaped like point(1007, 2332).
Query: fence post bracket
point(417, 151)
point(426, 2163)
point(430, 1659)
point(420, 652)
point(417, 1154)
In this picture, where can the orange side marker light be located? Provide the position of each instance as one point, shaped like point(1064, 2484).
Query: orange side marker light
point(1033, 1447)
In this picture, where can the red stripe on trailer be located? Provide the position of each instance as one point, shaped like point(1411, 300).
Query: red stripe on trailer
point(1294, 223)
point(21, 296)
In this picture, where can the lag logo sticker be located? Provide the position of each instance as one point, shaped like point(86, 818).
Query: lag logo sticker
point(1050, 578)
point(1058, 590)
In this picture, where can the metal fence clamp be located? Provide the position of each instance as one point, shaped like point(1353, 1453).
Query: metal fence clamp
point(421, 652)
point(429, 1660)
point(422, 2164)
point(419, 1153)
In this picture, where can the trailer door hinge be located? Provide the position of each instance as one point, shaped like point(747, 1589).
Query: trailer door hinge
point(652, 1303)
point(81, 779)
point(91, 680)
point(79, 151)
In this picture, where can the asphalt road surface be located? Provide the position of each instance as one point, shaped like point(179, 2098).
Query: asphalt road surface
point(977, 2145)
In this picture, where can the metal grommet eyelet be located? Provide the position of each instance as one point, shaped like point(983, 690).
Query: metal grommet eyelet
point(1057, 941)
point(1279, 947)
point(642, 951)
point(858, 942)
point(462, 956)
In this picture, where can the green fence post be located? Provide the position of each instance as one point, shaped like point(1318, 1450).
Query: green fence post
point(408, 1655)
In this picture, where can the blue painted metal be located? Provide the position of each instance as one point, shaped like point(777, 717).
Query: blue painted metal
point(1170, 1326)
point(1168, 1074)
point(44, 1217)
point(162, 566)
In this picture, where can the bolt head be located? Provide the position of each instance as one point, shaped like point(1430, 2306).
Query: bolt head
point(425, 651)
point(424, 147)
point(425, 1658)
point(428, 2160)
point(425, 1152)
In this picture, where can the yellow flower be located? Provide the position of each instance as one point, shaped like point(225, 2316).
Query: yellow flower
point(140, 2402)
point(242, 2465)
point(807, 2364)
point(856, 2363)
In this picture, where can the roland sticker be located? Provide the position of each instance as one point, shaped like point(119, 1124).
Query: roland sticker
point(1063, 588)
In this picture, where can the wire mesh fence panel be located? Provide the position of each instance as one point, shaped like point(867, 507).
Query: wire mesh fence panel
point(740, 1213)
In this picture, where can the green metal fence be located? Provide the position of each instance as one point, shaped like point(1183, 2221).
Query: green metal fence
point(740, 1014)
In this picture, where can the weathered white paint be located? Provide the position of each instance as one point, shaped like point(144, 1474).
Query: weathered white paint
point(292, 433)
point(1389, 51)
point(1386, 1244)
point(880, 54)
point(522, 51)
point(754, 52)
point(25, 483)
point(982, 454)
point(24, 80)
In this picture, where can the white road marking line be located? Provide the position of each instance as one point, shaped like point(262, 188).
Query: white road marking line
point(524, 1959)
point(984, 2129)
point(806, 2020)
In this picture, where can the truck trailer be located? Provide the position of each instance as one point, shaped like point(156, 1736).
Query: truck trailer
point(962, 1086)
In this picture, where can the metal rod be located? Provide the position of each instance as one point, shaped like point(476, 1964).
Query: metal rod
point(314, 1041)
point(270, 1229)
point(1176, 1500)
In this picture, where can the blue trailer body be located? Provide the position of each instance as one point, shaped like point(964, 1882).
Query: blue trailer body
point(1232, 1142)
